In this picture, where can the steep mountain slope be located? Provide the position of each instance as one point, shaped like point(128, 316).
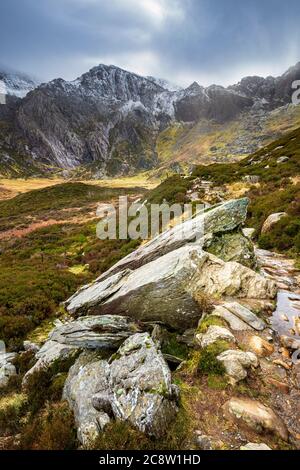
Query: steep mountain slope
point(111, 121)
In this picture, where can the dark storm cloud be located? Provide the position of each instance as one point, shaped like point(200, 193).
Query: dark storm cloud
point(182, 40)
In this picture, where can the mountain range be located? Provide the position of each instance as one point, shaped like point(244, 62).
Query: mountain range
point(110, 121)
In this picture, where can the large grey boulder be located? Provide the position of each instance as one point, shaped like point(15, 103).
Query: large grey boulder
point(134, 386)
point(159, 291)
point(165, 289)
point(222, 218)
point(80, 387)
point(96, 332)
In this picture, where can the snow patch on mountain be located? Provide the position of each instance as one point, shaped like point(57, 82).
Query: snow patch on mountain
point(16, 84)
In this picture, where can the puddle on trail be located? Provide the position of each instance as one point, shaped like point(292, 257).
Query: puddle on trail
point(286, 318)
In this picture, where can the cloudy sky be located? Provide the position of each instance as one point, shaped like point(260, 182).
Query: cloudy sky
point(210, 41)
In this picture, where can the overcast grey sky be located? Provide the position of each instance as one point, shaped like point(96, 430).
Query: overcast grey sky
point(210, 41)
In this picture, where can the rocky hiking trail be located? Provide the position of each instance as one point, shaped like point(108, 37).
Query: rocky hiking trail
point(238, 386)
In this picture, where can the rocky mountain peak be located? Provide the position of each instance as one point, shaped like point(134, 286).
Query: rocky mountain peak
point(16, 83)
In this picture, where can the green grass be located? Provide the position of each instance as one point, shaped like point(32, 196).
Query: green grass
point(268, 199)
point(256, 164)
point(172, 190)
point(61, 196)
point(44, 268)
point(208, 362)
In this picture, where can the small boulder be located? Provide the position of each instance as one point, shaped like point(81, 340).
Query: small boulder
point(32, 347)
point(236, 363)
point(253, 446)
point(203, 442)
point(256, 416)
point(7, 368)
point(252, 179)
point(260, 346)
point(249, 232)
point(213, 334)
point(283, 159)
point(271, 221)
point(246, 315)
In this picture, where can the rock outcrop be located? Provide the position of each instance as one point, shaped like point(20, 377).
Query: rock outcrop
point(164, 290)
point(223, 218)
point(49, 353)
point(97, 332)
point(134, 386)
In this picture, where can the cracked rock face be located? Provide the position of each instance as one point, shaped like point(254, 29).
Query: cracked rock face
point(97, 332)
point(220, 219)
point(80, 386)
point(134, 386)
point(141, 386)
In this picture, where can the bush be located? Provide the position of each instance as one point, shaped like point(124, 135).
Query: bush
point(52, 429)
point(208, 363)
point(122, 436)
point(205, 303)
point(46, 384)
point(12, 408)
